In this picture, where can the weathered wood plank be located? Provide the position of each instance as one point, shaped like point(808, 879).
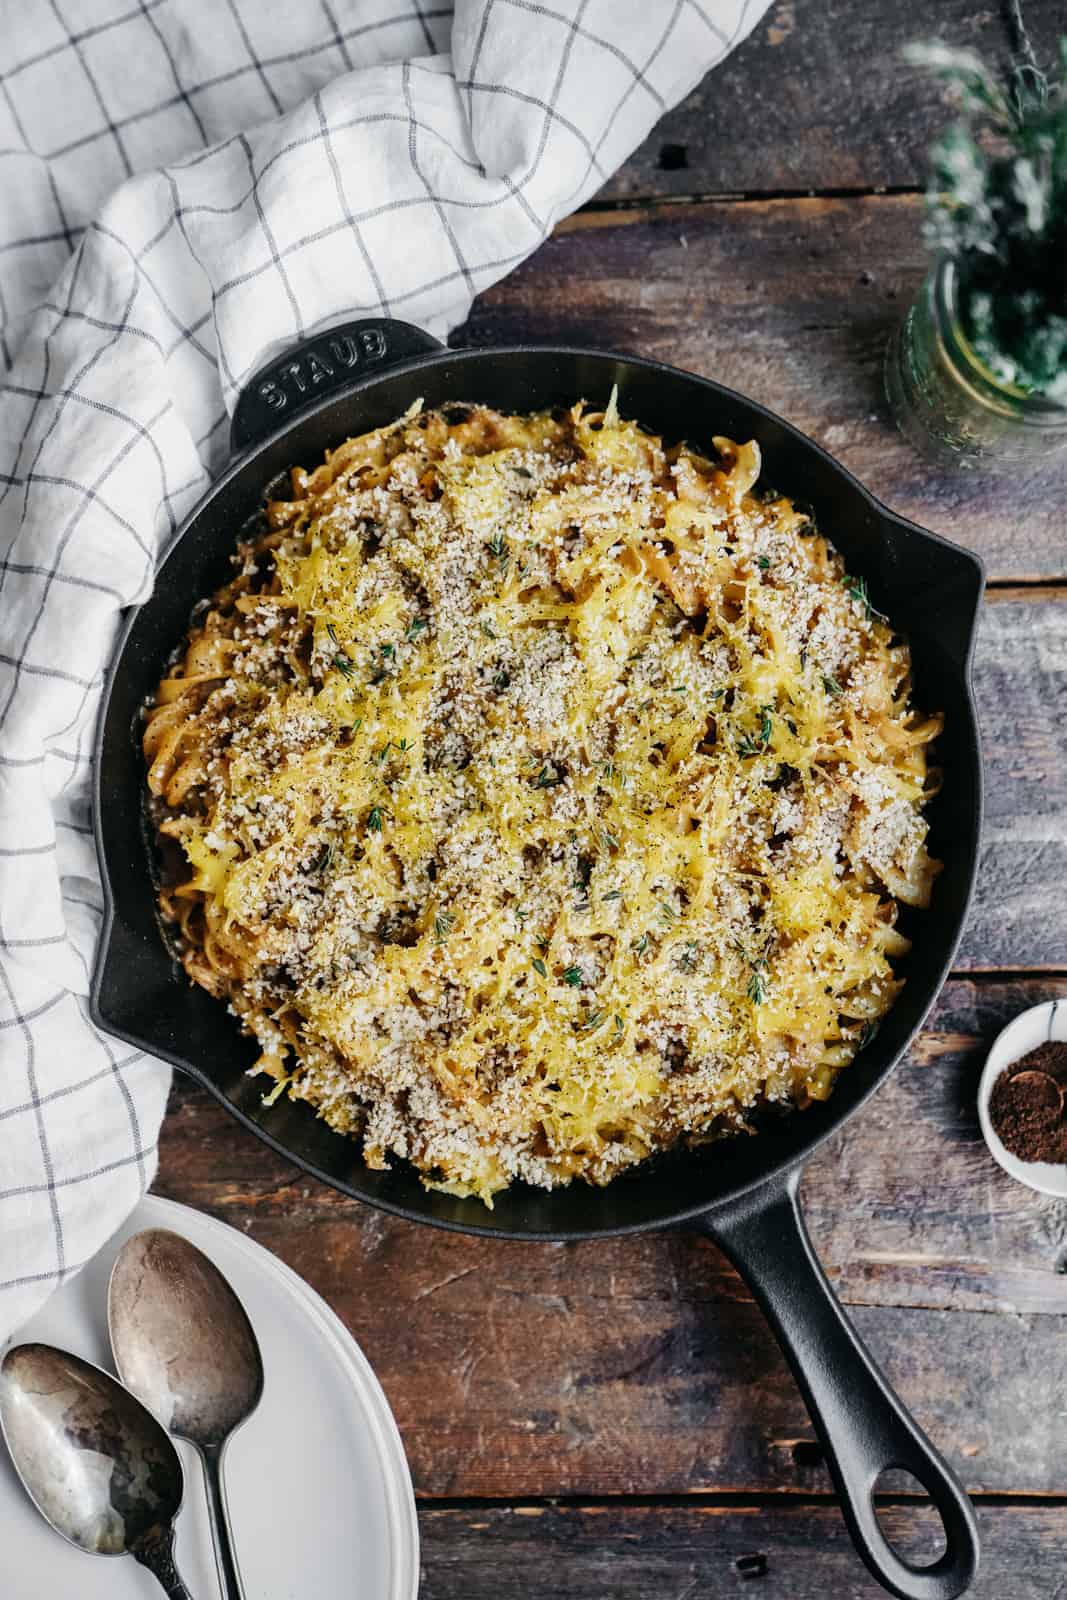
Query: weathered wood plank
point(1019, 917)
point(791, 302)
point(818, 98)
point(704, 1552)
point(641, 1365)
point(925, 1218)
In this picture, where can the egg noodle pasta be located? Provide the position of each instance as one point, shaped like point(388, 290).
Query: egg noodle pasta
point(540, 796)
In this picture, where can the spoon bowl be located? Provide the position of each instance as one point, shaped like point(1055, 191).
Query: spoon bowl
point(183, 1343)
point(181, 1338)
point(95, 1462)
point(1047, 1093)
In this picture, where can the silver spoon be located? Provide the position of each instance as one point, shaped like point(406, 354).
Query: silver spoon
point(95, 1463)
point(183, 1343)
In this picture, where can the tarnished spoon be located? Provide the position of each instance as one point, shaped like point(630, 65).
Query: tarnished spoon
point(96, 1463)
point(183, 1343)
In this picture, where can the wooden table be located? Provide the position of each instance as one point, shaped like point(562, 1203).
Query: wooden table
point(614, 1419)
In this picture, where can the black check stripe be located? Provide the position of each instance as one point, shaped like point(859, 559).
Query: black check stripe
point(660, 46)
point(74, 39)
point(427, 185)
point(268, 234)
point(79, 257)
point(192, 92)
point(30, 1057)
point(91, 79)
point(52, 1185)
point(350, 220)
point(608, 45)
point(67, 1089)
point(254, 60)
point(183, 94)
point(474, 85)
point(378, 194)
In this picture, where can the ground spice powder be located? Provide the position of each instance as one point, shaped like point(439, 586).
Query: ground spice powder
point(1028, 1105)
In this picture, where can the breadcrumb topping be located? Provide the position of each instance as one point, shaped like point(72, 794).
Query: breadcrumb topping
point(539, 796)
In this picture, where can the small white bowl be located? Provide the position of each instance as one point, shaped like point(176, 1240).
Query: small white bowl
point(1029, 1029)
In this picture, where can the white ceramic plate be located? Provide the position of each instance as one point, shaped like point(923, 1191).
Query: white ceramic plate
point(1029, 1029)
point(318, 1485)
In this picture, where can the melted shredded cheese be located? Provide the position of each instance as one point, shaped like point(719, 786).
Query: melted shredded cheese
point(539, 796)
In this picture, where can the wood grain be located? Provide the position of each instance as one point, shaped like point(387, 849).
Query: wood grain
point(792, 303)
point(713, 1552)
point(624, 1366)
point(1019, 917)
point(818, 98)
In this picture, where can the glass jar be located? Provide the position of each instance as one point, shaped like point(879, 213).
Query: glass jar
point(948, 403)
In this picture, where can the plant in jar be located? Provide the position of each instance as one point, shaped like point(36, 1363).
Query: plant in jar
point(979, 367)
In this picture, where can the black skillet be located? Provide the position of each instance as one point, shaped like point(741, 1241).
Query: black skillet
point(742, 1193)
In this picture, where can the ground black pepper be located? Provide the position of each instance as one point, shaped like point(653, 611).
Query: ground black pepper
point(1027, 1106)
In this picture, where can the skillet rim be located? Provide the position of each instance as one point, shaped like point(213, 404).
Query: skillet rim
point(778, 1170)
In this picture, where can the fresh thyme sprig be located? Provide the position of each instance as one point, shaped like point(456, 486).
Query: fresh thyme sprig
point(325, 859)
point(340, 659)
point(757, 985)
point(689, 956)
point(747, 746)
point(498, 549)
point(857, 588)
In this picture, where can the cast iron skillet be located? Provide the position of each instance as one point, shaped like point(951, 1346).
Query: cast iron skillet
point(744, 1192)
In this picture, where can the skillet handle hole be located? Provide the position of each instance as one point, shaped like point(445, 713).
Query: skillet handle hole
point(908, 1518)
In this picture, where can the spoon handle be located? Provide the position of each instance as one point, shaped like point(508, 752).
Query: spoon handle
point(156, 1552)
point(229, 1577)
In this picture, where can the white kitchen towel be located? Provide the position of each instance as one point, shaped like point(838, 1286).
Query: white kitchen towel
point(185, 186)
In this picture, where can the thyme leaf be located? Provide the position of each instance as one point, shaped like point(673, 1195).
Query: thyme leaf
point(689, 956)
point(326, 858)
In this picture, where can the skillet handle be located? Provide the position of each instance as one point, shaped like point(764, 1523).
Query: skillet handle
point(863, 1427)
point(331, 360)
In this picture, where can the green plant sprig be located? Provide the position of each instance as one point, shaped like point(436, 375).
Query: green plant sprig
point(997, 205)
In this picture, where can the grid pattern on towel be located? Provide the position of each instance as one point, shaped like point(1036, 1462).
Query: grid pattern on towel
point(190, 186)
